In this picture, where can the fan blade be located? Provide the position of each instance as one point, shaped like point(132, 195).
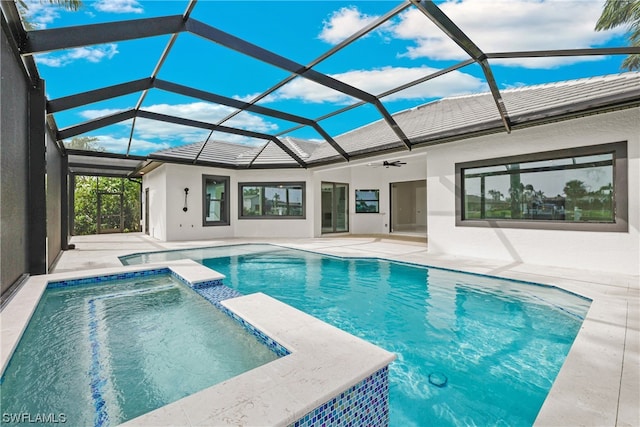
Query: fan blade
point(396, 163)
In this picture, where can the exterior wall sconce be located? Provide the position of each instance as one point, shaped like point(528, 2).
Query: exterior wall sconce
point(186, 193)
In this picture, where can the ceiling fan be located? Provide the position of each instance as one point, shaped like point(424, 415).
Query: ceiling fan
point(386, 164)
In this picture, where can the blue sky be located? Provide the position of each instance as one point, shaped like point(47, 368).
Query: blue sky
point(406, 48)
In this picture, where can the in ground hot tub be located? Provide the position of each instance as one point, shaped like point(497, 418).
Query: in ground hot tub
point(106, 349)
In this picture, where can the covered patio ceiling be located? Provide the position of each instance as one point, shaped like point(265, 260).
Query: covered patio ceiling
point(185, 38)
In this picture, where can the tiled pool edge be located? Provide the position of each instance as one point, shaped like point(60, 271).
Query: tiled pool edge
point(215, 292)
point(356, 386)
point(364, 404)
point(326, 365)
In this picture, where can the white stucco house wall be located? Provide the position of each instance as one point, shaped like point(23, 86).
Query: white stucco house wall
point(617, 251)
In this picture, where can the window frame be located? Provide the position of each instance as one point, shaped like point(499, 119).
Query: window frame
point(620, 189)
point(265, 184)
point(227, 212)
point(377, 200)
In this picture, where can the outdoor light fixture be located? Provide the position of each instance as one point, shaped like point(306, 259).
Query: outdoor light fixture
point(186, 193)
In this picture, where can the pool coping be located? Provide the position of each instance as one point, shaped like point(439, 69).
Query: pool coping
point(323, 360)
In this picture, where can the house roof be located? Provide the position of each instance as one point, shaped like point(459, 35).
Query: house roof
point(435, 122)
point(464, 116)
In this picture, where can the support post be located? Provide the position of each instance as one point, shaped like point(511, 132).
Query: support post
point(37, 175)
point(64, 203)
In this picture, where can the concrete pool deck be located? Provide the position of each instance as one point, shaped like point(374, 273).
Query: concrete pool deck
point(599, 384)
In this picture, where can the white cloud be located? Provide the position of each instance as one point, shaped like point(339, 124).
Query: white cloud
point(201, 111)
point(343, 23)
point(118, 6)
point(138, 146)
point(377, 81)
point(95, 114)
point(213, 113)
point(93, 54)
point(48, 60)
point(309, 91)
point(162, 131)
point(506, 26)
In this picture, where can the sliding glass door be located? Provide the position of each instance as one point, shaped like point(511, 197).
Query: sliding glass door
point(409, 207)
point(335, 207)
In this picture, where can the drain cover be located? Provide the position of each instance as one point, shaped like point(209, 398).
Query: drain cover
point(438, 379)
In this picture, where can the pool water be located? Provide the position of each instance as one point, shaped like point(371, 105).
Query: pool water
point(103, 354)
point(471, 349)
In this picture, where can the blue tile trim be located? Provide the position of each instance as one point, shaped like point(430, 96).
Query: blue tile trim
point(275, 346)
point(106, 278)
point(217, 292)
point(364, 404)
point(207, 284)
point(98, 379)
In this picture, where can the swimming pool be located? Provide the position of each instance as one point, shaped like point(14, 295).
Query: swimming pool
point(472, 349)
point(104, 352)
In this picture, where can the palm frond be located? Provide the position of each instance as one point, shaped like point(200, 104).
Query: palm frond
point(67, 4)
point(616, 13)
point(631, 62)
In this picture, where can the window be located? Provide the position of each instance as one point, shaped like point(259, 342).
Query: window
point(367, 201)
point(215, 191)
point(272, 200)
point(579, 189)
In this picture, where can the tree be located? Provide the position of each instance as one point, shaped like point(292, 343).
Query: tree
point(251, 191)
point(23, 7)
point(276, 199)
point(88, 190)
point(72, 5)
point(88, 143)
point(575, 189)
point(617, 13)
point(85, 205)
point(496, 195)
point(515, 195)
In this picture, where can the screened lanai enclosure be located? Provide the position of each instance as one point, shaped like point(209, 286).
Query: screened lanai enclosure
point(332, 104)
point(102, 204)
